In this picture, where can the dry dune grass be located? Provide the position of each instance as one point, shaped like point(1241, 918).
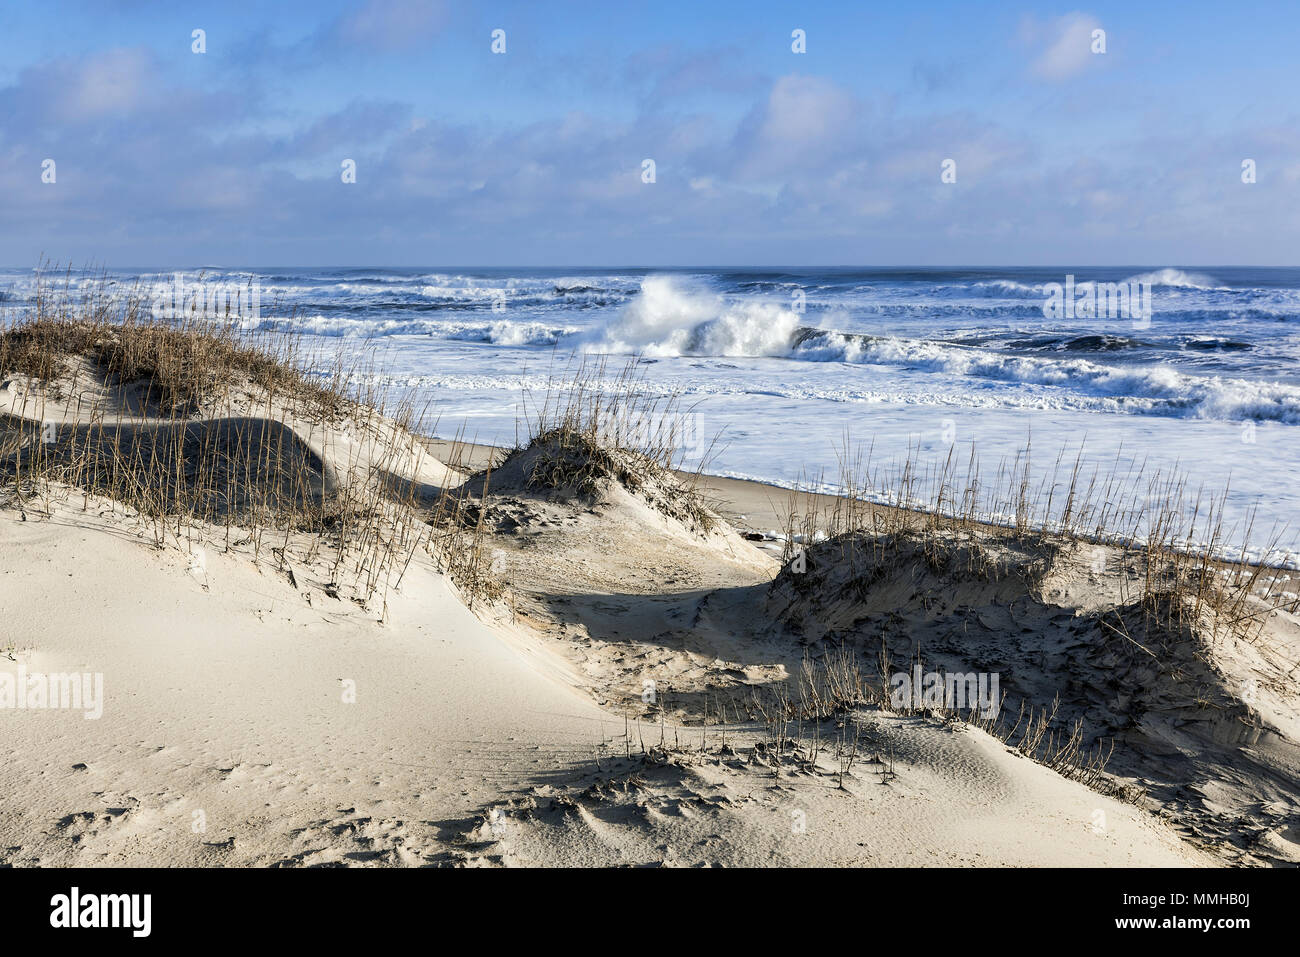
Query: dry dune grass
point(203, 431)
point(186, 364)
point(592, 428)
point(202, 469)
point(1179, 539)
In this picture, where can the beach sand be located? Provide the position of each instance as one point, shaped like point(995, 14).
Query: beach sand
point(593, 714)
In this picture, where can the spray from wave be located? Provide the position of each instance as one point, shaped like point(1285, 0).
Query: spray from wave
point(673, 318)
point(1177, 279)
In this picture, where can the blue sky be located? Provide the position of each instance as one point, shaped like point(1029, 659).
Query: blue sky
point(763, 156)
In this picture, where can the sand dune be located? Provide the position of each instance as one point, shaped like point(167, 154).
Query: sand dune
point(224, 708)
point(1198, 721)
point(226, 695)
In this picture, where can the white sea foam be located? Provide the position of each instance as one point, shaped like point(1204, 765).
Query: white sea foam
point(1151, 388)
point(502, 332)
point(1176, 279)
point(507, 333)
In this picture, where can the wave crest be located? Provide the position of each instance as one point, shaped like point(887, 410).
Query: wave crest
point(1176, 279)
point(672, 318)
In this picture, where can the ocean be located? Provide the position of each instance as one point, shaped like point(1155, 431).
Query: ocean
point(777, 368)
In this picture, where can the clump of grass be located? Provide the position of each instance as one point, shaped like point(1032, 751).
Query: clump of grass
point(951, 515)
point(203, 431)
point(184, 365)
point(837, 689)
point(592, 428)
point(459, 520)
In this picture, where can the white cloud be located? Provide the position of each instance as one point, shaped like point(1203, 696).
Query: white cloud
point(1065, 45)
point(804, 122)
point(806, 110)
point(112, 82)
